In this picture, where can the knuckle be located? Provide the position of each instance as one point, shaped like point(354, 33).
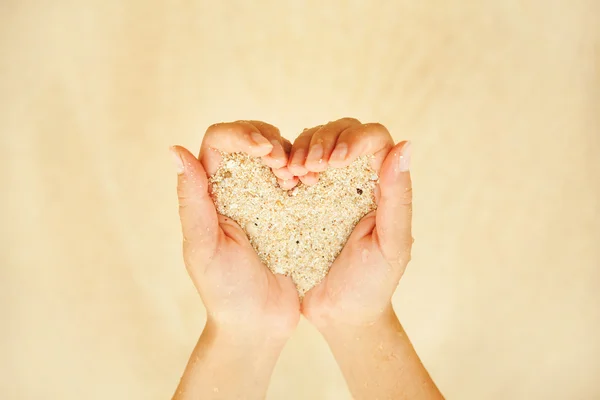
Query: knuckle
point(349, 120)
point(321, 130)
point(310, 131)
point(375, 127)
point(212, 129)
point(230, 126)
point(327, 133)
point(406, 199)
point(272, 128)
point(218, 129)
point(264, 127)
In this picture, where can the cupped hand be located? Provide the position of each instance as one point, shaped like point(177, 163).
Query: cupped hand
point(363, 278)
point(241, 295)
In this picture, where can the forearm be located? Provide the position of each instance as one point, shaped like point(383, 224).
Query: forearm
point(379, 362)
point(226, 366)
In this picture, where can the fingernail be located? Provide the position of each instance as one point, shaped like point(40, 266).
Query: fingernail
point(179, 167)
point(315, 153)
point(298, 158)
point(339, 154)
point(283, 173)
point(404, 159)
point(277, 148)
point(260, 140)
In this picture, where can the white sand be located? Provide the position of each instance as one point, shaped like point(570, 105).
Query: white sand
point(298, 232)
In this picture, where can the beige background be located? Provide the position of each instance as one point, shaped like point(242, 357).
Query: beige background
point(501, 99)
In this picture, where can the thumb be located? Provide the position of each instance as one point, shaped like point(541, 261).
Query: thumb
point(199, 221)
point(394, 211)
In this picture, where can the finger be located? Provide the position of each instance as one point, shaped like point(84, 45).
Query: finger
point(277, 158)
point(283, 173)
point(231, 137)
point(364, 227)
point(199, 221)
point(394, 212)
point(359, 140)
point(310, 179)
point(323, 141)
point(232, 230)
point(287, 146)
point(286, 283)
point(288, 184)
point(299, 152)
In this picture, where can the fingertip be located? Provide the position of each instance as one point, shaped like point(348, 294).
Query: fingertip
point(310, 179)
point(297, 170)
point(277, 157)
point(259, 140)
point(260, 150)
point(316, 166)
point(405, 156)
point(316, 160)
point(283, 173)
point(338, 156)
point(177, 160)
point(196, 208)
point(274, 163)
point(186, 162)
point(288, 184)
point(296, 162)
point(178, 151)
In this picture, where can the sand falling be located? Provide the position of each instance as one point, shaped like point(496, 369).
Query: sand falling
point(297, 232)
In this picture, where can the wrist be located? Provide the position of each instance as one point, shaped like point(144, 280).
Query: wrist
point(342, 329)
point(221, 355)
point(244, 337)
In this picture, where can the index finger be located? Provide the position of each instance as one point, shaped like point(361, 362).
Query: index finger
point(232, 137)
point(359, 140)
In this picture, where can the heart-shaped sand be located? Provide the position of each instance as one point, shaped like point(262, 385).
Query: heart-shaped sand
point(297, 232)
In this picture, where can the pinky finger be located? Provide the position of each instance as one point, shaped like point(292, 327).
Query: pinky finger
point(372, 138)
point(310, 179)
point(287, 184)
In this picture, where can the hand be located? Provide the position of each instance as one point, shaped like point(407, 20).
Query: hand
point(358, 288)
point(242, 297)
point(352, 307)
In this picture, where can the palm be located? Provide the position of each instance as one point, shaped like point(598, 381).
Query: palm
point(360, 270)
point(362, 279)
point(236, 275)
point(236, 288)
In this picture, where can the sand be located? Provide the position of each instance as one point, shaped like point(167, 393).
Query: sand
point(297, 232)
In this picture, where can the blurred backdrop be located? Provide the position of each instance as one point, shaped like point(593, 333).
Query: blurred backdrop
point(500, 98)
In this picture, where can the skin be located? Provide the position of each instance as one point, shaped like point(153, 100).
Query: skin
point(252, 312)
point(352, 306)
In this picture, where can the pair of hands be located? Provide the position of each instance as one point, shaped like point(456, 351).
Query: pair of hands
point(242, 296)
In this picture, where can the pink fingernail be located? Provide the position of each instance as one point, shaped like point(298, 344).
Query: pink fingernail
point(260, 140)
point(404, 159)
point(179, 167)
point(298, 158)
point(315, 153)
point(277, 146)
point(340, 152)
